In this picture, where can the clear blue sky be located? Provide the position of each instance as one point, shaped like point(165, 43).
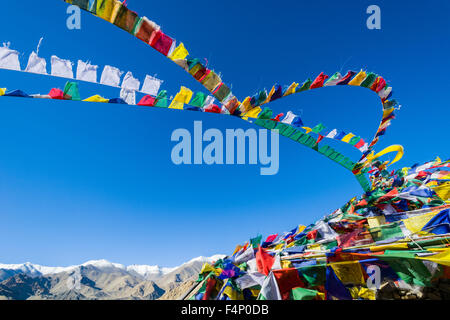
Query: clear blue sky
point(82, 181)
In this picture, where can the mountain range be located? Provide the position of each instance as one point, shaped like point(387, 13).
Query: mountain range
point(98, 280)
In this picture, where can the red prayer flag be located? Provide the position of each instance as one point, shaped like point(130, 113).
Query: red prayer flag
point(287, 279)
point(213, 108)
point(318, 82)
point(147, 100)
point(271, 238)
point(380, 85)
point(277, 118)
point(161, 42)
point(264, 261)
point(311, 235)
point(360, 144)
point(209, 288)
point(320, 138)
point(56, 94)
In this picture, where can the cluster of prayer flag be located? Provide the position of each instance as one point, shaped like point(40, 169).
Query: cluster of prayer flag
point(393, 242)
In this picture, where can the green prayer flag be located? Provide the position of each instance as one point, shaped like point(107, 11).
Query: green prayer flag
point(407, 267)
point(83, 4)
point(318, 128)
point(261, 97)
point(297, 135)
point(198, 100)
point(303, 294)
point(265, 114)
point(315, 275)
point(282, 127)
point(369, 80)
point(161, 99)
point(330, 245)
point(333, 78)
point(71, 90)
point(255, 242)
point(354, 140)
point(222, 93)
point(288, 131)
point(389, 104)
point(305, 86)
point(387, 231)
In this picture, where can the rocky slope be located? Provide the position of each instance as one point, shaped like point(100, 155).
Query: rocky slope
point(96, 280)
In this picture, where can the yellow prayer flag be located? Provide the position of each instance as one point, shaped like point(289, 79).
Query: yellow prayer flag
point(443, 191)
point(320, 296)
point(358, 79)
point(300, 229)
point(387, 112)
point(291, 89)
point(233, 294)
point(245, 105)
point(376, 221)
point(440, 258)
point(2, 91)
point(278, 247)
point(290, 245)
point(415, 224)
point(349, 272)
point(272, 91)
point(348, 137)
point(96, 98)
point(314, 246)
point(206, 268)
point(308, 129)
point(105, 9)
point(238, 248)
point(182, 97)
point(432, 184)
point(286, 264)
point(115, 11)
point(395, 246)
point(366, 294)
point(255, 292)
point(253, 113)
point(354, 292)
point(179, 53)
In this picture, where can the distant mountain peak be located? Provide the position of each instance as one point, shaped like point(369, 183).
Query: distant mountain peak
point(146, 271)
point(95, 279)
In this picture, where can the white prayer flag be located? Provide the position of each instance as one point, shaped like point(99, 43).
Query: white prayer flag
point(325, 230)
point(250, 279)
point(208, 101)
point(172, 48)
point(385, 92)
point(245, 256)
point(129, 96)
point(332, 82)
point(289, 117)
point(61, 67)
point(151, 85)
point(332, 134)
point(86, 71)
point(111, 76)
point(364, 148)
point(270, 290)
point(129, 82)
point(36, 64)
point(9, 59)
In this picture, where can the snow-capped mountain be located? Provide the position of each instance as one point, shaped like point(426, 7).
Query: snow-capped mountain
point(146, 271)
point(96, 279)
